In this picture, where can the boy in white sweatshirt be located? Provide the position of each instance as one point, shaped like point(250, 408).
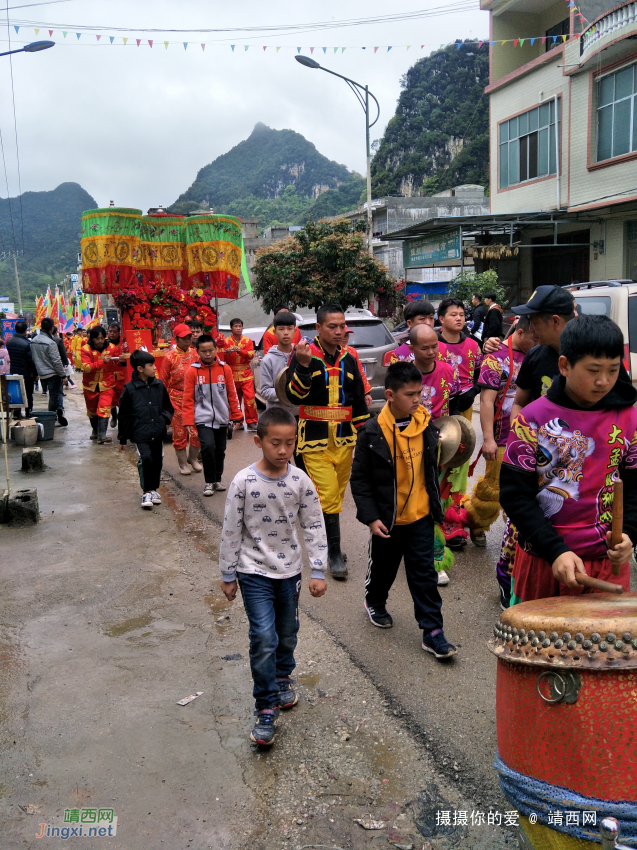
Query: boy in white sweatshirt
point(277, 359)
point(260, 553)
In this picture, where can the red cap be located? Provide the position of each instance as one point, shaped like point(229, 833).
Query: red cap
point(181, 330)
point(348, 330)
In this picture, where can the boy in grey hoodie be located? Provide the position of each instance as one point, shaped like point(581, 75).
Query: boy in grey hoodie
point(277, 359)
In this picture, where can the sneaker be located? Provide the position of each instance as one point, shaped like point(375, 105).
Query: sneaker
point(209, 490)
point(443, 579)
point(252, 426)
point(478, 538)
point(155, 497)
point(147, 501)
point(288, 696)
point(379, 616)
point(219, 486)
point(264, 731)
point(436, 643)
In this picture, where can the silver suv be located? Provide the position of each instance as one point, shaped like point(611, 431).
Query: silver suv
point(369, 337)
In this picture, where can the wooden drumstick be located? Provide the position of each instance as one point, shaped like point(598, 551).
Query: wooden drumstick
point(598, 584)
point(617, 527)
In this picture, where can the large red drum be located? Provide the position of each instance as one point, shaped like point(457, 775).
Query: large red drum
point(566, 696)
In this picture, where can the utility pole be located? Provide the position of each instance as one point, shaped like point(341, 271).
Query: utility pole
point(17, 281)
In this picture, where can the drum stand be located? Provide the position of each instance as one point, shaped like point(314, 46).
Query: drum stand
point(609, 830)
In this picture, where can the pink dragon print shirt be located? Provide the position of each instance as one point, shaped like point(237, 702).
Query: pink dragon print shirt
point(576, 455)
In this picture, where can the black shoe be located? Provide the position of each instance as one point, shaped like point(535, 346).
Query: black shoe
point(264, 731)
point(505, 599)
point(436, 643)
point(336, 557)
point(288, 696)
point(62, 418)
point(380, 616)
point(114, 418)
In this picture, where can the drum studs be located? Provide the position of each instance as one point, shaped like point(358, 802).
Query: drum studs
point(627, 637)
point(515, 631)
point(579, 637)
point(587, 644)
point(515, 638)
point(524, 641)
point(496, 632)
point(553, 636)
point(596, 637)
point(566, 636)
point(610, 637)
point(531, 634)
point(535, 641)
point(571, 644)
point(541, 635)
point(634, 642)
point(603, 646)
point(559, 643)
point(546, 642)
point(619, 645)
point(521, 633)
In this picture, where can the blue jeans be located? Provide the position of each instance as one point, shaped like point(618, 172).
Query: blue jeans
point(272, 606)
point(54, 386)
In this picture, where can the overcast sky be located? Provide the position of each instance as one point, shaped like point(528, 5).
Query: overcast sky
point(135, 124)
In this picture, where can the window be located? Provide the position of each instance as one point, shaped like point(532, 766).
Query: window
point(594, 305)
point(527, 145)
point(554, 34)
point(617, 113)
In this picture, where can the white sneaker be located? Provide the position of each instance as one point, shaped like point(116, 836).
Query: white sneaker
point(209, 490)
point(443, 578)
point(155, 497)
point(147, 501)
point(219, 486)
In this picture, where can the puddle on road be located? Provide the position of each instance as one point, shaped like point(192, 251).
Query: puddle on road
point(217, 606)
point(158, 627)
point(309, 680)
point(132, 625)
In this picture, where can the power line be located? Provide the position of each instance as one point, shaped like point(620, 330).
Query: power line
point(15, 128)
point(6, 180)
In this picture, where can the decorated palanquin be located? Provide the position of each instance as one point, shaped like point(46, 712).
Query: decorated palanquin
point(123, 249)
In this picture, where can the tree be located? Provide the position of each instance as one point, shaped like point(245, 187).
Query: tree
point(327, 262)
point(467, 283)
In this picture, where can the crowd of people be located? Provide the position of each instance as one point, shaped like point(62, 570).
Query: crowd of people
point(557, 417)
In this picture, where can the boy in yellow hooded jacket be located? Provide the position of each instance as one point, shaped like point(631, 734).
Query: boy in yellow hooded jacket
point(395, 487)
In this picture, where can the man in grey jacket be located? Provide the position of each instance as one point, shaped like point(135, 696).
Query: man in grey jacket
point(49, 366)
point(277, 359)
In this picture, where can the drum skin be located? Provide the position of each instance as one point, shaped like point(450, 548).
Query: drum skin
point(589, 747)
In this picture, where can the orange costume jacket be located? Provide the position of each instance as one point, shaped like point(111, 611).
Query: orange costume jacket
point(173, 372)
point(119, 369)
point(98, 375)
point(366, 384)
point(239, 361)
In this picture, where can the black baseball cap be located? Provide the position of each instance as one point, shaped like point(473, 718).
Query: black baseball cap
point(547, 299)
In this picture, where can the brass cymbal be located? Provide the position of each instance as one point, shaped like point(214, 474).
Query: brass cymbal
point(279, 386)
point(467, 443)
point(449, 439)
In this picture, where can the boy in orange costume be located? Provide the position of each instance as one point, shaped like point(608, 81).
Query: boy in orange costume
point(98, 381)
point(238, 352)
point(173, 375)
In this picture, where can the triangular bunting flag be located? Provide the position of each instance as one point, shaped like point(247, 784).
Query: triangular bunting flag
point(112, 38)
point(543, 39)
point(79, 35)
point(50, 33)
point(150, 42)
point(298, 49)
point(277, 50)
point(515, 42)
point(246, 46)
point(564, 37)
point(503, 43)
point(17, 29)
point(98, 37)
point(125, 40)
point(139, 41)
point(324, 49)
point(493, 44)
point(408, 46)
point(459, 45)
point(522, 40)
point(343, 49)
point(480, 43)
point(166, 43)
point(232, 46)
point(37, 31)
point(554, 39)
point(335, 49)
point(203, 46)
point(532, 42)
point(421, 46)
point(265, 48)
point(65, 33)
point(375, 49)
point(388, 49)
point(311, 50)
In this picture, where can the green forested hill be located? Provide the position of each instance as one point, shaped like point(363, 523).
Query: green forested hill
point(439, 136)
point(275, 175)
point(50, 224)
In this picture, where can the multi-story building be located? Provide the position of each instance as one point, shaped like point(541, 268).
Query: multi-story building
point(563, 128)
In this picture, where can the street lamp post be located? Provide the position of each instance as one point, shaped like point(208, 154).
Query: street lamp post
point(33, 47)
point(363, 95)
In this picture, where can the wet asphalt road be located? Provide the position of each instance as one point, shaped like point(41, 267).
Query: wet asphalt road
point(450, 705)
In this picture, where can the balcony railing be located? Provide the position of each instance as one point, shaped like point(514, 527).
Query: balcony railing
point(618, 19)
